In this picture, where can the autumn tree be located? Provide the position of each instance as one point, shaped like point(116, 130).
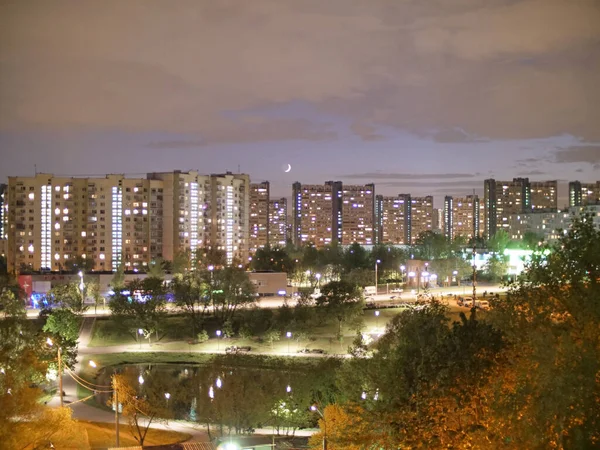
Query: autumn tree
point(552, 317)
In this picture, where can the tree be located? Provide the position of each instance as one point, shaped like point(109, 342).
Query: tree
point(272, 336)
point(496, 266)
point(118, 280)
point(273, 259)
point(191, 294)
point(63, 323)
point(498, 242)
point(430, 245)
point(140, 305)
point(79, 263)
point(342, 300)
point(552, 317)
point(355, 257)
point(156, 269)
point(140, 408)
point(93, 291)
point(231, 290)
point(67, 296)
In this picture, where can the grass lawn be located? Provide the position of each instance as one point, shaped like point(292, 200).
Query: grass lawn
point(102, 435)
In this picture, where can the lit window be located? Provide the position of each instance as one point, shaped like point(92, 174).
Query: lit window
point(101, 256)
point(56, 256)
point(57, 211)
point(31, 196)
point(30, 248)
point(83, 234)
point(57, 226)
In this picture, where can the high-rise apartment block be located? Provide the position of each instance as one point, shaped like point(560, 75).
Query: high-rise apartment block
point(544, 196)
point(393, 219)
point(333, 213)
point(278, 222)
point(259, 216)
point(421, 216)
point(504, 198)
point(584, 194)
point(131, 221)
point(358, 212)
point(316, 213)
point(462, 216)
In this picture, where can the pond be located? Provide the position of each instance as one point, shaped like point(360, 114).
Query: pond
point(233, 392)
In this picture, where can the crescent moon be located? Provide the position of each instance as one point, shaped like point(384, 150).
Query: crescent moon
point(289, 167)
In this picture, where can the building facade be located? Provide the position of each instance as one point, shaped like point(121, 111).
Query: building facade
point(278, 222)
point(544, 196)
point(583, 194)
point(259, 216)
point(421, 216)
point(393, 220)
point(503, 199)
point(462, 216)
point(53, 221)
point(316, 213)
point(358, 214)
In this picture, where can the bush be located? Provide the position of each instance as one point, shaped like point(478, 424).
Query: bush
point(245, 332)
point(202, 337)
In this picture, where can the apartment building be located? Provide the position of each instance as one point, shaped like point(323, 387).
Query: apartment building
point(50, 221)
point(317, 213)
point(421, 216)
point(463, 216)
point(358, 214)
point(502, 199)
point(278, 222)
point(544, 196)
point(393, 220)
point(584, 194)
point(549, 226)
point(259, 216)
point(3, 220)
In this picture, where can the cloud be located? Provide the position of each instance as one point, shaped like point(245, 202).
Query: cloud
point(580, 154)
point(175, 144)
point(432, 185)
point(407, 176)
point(455, 135)
point(531, 173)
point(491, 68)
point(366, 132)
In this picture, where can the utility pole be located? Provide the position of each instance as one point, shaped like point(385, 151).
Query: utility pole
point(116, 402)
point(60, 380)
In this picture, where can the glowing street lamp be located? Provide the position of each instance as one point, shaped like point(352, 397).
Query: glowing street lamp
point(289, 336)
point(92, 364)
point(377, 316)
point(314, 408)
point(218, 333)
point(376, 266)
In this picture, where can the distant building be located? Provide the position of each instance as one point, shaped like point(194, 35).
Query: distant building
point(358, 213)
point(421, 216)
point(544, 196)
point(259, 216)
point(115, 220)
point(278, 221)
point(502, 199)
point(583, 194)
point(462, 216)
point(3, 212)
point(392, 217)
point(547, 225)
point(333, 213)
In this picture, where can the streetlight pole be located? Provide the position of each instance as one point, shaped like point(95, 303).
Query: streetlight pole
point(60, 380)
point(81, 287)
point(211, 268)
point(289, 336)
point(376, 281)
point(316, 409)
point(218, 333)
point(474, 275)
point(402, 269)
point(116, 403)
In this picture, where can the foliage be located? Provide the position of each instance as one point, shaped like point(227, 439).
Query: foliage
point(273, 259)
point(553, 317)
point(118, 280)
point(67, 296)
point(342, 300)
point(202, 337)
point(231, 290)
point(191, 296)
point(79, 263)
point(45, 428)
point(63, 323)
point(141, 408)
point(496, 266)
point(272, 336)
point(145, 311)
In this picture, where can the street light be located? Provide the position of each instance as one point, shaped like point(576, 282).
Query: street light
point(60, 381)
point(81, 287)
point(211, 268)
point(140, 333)
point(219, 383)
point(318, 277)
point(376, 265)
point(92, 364)
point(377, 315)
point(314, 408)
point(289, 336)
point(218, 333)
point(402, 269)
point(288, 389)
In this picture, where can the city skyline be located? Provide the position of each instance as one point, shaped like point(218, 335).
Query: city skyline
point(367, 92)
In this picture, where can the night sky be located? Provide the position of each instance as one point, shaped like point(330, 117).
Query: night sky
point(417, 96)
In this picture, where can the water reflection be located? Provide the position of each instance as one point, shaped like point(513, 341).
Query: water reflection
point(236, 397)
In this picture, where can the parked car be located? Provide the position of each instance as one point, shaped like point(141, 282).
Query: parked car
point(396, 291)
point(236, 349)
point(318, 351)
